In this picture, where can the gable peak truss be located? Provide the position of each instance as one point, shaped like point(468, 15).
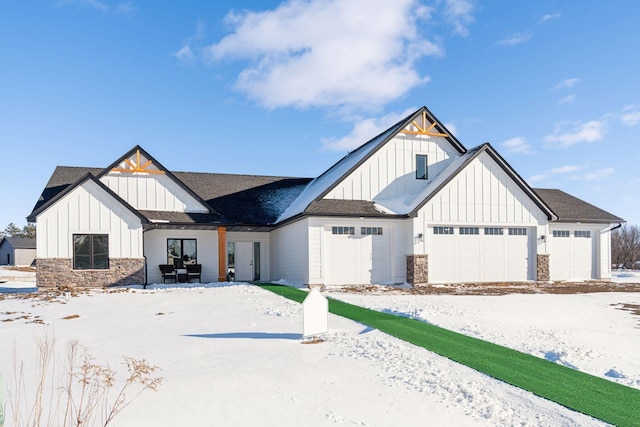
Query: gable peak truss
point(422, 126)
point(136, 164)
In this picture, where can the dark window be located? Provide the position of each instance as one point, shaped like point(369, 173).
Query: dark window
point(561, 233)
point(494, 231)
point(90, 251)
point(371, 231)
point(517, 231)
point(256, 260)
point(181, 252)
point(343, 230)
point(469, 230)
point(582, 233)
point(442, 230)
point(421, 167)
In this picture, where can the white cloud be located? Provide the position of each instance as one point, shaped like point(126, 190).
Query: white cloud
point(630, 115)
point(566, 84)
point(549, 16)
point(186, 53)
point(598, 174)
point(329, 53)
point(451, 127)
point(591, 131)
point(363, 130)
point(567, 99)
point(458, 13)
point(562, 170)
point(515, 39)
point(125, 8)
point(517, 145)
point(91, 4)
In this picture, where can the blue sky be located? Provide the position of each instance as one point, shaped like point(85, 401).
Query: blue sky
point(286, 88)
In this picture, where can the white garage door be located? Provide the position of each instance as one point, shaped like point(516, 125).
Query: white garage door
point(572, 255)
point(357, 255)
point(481, 254)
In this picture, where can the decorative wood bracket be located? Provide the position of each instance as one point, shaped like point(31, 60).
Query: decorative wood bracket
point(137, 167)
point(423, 130)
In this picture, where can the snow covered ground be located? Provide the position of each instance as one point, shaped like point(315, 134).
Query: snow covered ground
point(231, 354)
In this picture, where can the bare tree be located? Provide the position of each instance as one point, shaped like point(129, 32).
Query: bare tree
point(625, 245)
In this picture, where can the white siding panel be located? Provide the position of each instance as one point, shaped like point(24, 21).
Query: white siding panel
point(482, 193)
point(88, 209)
point(289, 252)
point(152, 192)
point(155, 251)
point(390, 172)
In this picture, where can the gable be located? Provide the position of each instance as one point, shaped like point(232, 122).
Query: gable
point(390, 172)
point(418, 126)
point(143, 183)
point(87, 207)
point(483, 192)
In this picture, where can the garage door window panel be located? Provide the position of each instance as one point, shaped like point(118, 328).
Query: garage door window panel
point(494, 231)
point(442, 230)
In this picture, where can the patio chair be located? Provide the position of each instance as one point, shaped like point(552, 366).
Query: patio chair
point(168, 272)
point(194, 271)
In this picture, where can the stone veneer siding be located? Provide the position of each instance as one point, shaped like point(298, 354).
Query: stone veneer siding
point(542, 271)
point(59, 273)
point(418, 269)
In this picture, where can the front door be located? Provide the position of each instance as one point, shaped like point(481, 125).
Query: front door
point(244, 262)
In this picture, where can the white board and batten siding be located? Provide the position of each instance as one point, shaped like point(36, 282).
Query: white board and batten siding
point(289, 252)
point(88, 209)
point(480, 196)
point(155, 251)
point(391, 171)
point(153, 192)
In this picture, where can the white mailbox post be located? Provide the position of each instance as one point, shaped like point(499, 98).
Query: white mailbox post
point(315, 314)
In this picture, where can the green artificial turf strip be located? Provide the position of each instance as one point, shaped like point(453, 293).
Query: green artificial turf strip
point(596, 397)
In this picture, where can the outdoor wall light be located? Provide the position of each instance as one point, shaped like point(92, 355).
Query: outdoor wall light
point(420, 237)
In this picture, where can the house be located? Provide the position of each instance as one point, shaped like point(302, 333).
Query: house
point(411, 205)
point(17, 251)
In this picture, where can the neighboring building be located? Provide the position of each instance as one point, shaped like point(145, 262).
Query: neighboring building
point(411, 205)
point(17, 251)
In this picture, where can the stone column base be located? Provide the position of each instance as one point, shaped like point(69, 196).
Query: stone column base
point(418, 269)
point(543, 273)
point(59, 273)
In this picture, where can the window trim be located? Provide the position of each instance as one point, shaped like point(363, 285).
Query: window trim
point(443, 230)
point(582, 234)
point(561, 233)
point(371, 231)
point(468, 231)
point(181, 263)
point(517, 231)
point(91, 254)
point(343, 230)
point(422, 158)
point(494, 231)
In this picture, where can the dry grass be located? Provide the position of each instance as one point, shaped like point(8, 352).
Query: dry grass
point(80, 393)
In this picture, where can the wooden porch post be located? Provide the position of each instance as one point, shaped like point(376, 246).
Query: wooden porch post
point(222, 254)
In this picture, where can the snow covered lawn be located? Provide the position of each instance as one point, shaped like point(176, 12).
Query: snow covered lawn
point(231, 354)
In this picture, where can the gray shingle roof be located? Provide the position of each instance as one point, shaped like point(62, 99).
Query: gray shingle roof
point(239, 199)
point(571, 209)
point(345, 207)
point(260, 200)
point(20, 242)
